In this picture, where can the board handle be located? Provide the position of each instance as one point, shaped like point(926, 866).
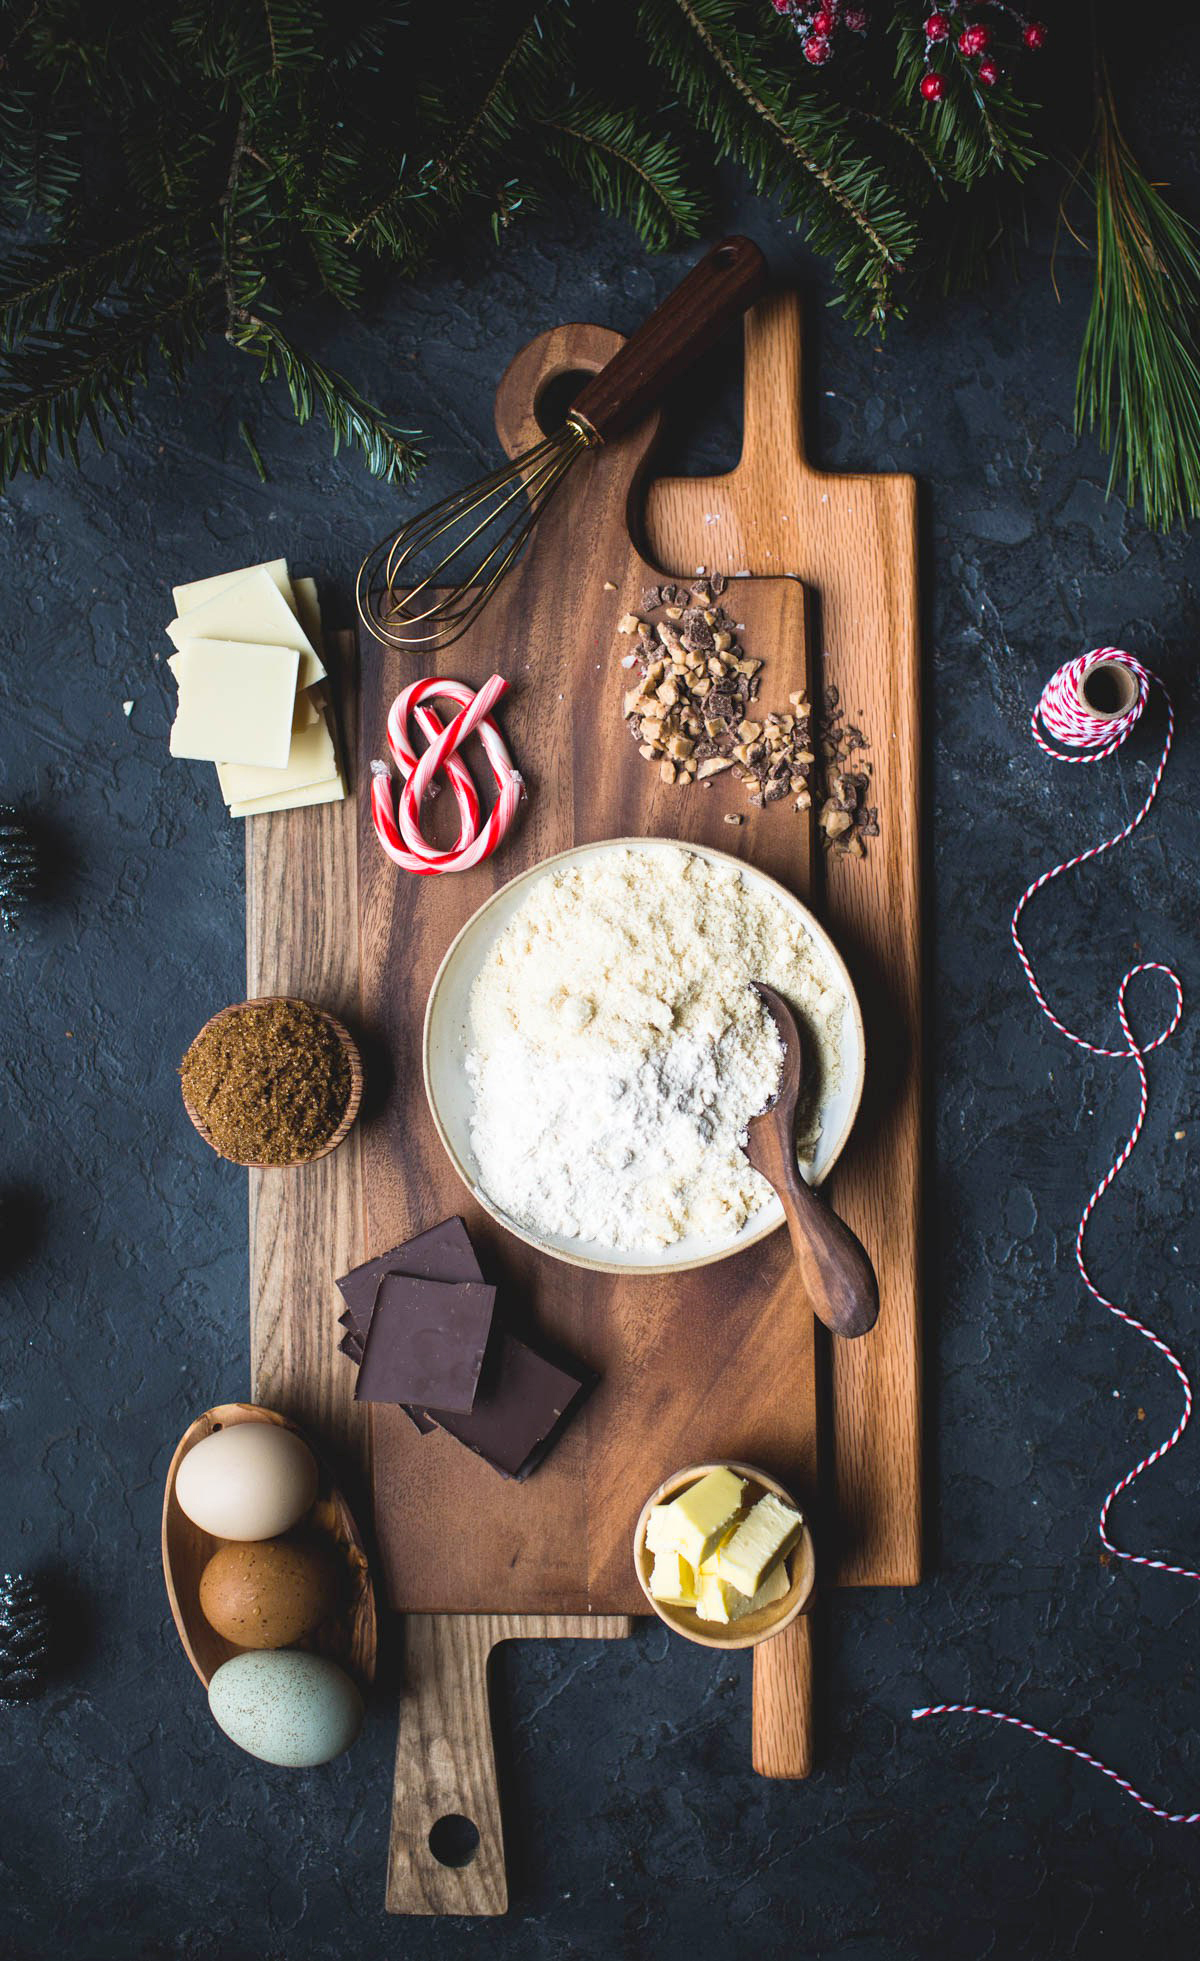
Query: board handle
point(782, 1744)
point(446, 1848)
point(688, 322)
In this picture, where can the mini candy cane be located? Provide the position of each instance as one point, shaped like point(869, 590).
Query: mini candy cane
point(398, 827)
point(1069, 719)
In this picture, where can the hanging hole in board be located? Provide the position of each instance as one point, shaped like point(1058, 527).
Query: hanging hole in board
point(556, 399)
point(454, 1840)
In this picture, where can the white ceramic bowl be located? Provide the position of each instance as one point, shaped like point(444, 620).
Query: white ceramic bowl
point(446, 1040)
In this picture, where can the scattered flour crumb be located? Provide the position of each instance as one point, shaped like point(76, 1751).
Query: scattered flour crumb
point(127, 708)
point(616, 1051)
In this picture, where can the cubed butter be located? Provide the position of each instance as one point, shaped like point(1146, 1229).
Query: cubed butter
point(672, 1581)
point(250, 610)
point(695, 1522)
point(311, 759)
point(717, 1600)
point(236, 702)
point(767, 1533)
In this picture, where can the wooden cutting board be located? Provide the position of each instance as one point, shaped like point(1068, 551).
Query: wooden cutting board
point(302, 884)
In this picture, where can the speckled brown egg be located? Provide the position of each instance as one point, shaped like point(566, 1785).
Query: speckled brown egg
point(267, 1593)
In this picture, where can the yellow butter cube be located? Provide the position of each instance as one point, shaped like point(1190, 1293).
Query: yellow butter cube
point(717, 1600)
point(672, 1581)
point(695, 1523)
point(765, 1536)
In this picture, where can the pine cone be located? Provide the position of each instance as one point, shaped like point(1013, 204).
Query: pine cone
point(24, 1639)
point(17, 867)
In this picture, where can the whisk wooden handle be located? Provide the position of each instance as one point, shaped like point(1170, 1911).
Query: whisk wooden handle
point(726, 281)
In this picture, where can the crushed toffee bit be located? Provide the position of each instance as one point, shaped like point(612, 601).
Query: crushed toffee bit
point(270, 1082)
point(693, 710)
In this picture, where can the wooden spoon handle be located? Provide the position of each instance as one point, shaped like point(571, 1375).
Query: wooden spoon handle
point(783, 1702)
point(689, 320)
point(834, 1269)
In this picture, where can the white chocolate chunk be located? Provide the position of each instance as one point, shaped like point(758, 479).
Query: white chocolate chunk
point(198, 591)
point(311, 759)
point(236, 703)
point(253, 611)
point(331, 792)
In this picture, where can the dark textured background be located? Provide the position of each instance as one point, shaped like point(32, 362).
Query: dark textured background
point(130, 1827)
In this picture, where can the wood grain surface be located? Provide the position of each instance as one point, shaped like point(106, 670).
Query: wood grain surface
point(716, 1363)
point(445, 1758)
point(853, 540)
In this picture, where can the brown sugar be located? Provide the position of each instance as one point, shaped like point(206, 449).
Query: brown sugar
point(270, 1082)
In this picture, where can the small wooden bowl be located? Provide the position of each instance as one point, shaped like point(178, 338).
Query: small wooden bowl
point(752, 1628)
point(356, 1083)
point(351, 1639)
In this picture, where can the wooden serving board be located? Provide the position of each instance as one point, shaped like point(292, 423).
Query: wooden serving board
point(303, 874)
point(853, 540)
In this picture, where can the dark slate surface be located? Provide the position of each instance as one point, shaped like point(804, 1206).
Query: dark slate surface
point(130, 1826)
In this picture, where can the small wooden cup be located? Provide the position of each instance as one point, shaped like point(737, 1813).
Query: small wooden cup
point(356, 1084)
point(752, 1628)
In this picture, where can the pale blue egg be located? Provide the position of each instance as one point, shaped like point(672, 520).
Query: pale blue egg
point(286, 1707)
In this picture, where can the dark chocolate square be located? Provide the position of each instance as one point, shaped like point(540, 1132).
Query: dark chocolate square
point(426, 1343)
point(444, 1252)
point(523, 1403)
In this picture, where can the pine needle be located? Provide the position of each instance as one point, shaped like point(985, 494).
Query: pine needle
point(1139, 371)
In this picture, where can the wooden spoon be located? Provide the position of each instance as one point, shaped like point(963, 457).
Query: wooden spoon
point(835, 1272)
point(351, 1638)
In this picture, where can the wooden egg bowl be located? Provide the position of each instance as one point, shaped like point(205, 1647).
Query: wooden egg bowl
point(752, 1628)
point(356, 1083)
point(351, 1639)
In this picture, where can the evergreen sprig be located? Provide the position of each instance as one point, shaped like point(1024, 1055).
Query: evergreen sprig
point(244, 160)
point(1139, 371)
point(792, 140)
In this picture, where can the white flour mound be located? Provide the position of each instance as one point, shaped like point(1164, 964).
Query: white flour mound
point(617, 1052)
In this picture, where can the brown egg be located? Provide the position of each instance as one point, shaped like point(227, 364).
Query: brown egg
point(267, 1593)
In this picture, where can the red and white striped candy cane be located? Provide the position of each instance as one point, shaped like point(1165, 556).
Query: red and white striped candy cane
point(398, 823)
point(1061, 712)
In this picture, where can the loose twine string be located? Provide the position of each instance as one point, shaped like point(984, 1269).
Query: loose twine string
point(1077, 736)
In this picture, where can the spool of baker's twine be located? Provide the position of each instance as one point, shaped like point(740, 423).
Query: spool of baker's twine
point(1087, 710)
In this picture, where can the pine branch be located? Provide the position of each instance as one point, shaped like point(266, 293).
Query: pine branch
point(630, 171)
point(81, 377)
point(39, 170)
point(1139, 370)
point(972, 131)
point(386, 449)
point(798, 145)
point(44, 287)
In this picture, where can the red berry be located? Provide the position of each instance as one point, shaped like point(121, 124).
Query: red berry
point(1035, 34)
point(823, 24)
point(973, 40)
point(937, 27)
point(989, 74)
point(855, 18)
point(782, 6)
point(933, 86)
point(817, 50)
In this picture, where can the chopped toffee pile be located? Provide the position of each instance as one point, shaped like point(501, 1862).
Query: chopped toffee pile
point(693, 711)
point(270, 1082)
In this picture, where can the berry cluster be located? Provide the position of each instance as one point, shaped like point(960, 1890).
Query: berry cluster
point(973, 39)
point(818, 23)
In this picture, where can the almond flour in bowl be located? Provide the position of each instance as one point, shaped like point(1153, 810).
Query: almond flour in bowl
point(594, 1051)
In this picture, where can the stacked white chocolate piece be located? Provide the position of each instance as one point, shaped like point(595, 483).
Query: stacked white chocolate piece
point(719, 1554)
point(252, 694)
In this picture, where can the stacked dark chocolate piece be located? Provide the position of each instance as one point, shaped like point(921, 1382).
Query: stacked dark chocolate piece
point(420, 1322)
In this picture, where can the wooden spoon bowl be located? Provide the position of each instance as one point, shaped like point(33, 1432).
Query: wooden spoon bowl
point(350, 1638)
point(356, 1084)
point(752, 1628)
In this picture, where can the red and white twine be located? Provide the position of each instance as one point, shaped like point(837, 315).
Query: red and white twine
point(398, 821)
point(1060, 713)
